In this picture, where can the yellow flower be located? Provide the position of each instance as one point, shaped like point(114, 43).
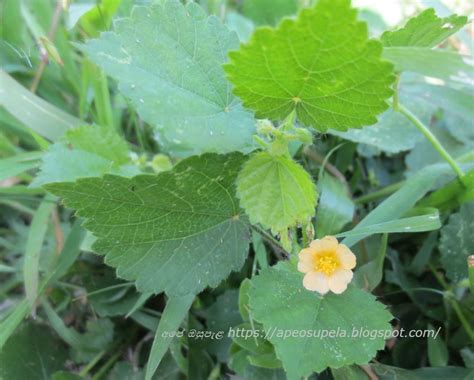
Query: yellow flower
point(327, 265)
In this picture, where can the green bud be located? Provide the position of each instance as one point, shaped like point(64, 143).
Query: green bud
point(161, 163)
point(265, 127)
point(304, 135)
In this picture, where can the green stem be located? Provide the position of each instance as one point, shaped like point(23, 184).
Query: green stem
point(462, 318)
point(276, 245)
point(454, 302)
point(103, 370)
point(431, 138)
point(395, 94)
point(373, 196)
point(92, 363)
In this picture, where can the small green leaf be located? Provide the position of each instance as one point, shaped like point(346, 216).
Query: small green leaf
point(322, 65)
point(168, 61)
point(269, 12)
point(457, 242)
point(424, 30)
point(244, 299)
point(61, 163)
point(86, 151)
point(279, 301)
point(99, 140)
point(179, 231)
point(276, 192)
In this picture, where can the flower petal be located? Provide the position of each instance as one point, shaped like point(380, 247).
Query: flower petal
point(329, 243)
point(347, 258)
point(316, 281)
point(305, 266)
point(315, 245)
point(339, 280)
point(306, 255)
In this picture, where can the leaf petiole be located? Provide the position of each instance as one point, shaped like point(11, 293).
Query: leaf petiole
point(431, 138)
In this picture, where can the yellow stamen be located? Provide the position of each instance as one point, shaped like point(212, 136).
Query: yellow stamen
point(327, 263)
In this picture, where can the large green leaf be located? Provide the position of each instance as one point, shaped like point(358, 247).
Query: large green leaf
point(424, 30)
point(167, 60)
point(276, 192)
point(179, 231)
point(457, 242)
point(322, 65)
point(279, 301)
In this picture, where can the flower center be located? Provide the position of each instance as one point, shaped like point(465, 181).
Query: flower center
point(327, 263)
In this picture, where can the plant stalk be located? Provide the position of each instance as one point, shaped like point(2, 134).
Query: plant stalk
point(430, 136)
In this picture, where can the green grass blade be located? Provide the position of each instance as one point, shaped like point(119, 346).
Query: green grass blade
point(175, 311)
point(34, 244)
point(422, 223)
point(66, 258)
point(37, 114)
point(20, 163)
point(70, 251)
point(403, 200)
point(69, 335)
